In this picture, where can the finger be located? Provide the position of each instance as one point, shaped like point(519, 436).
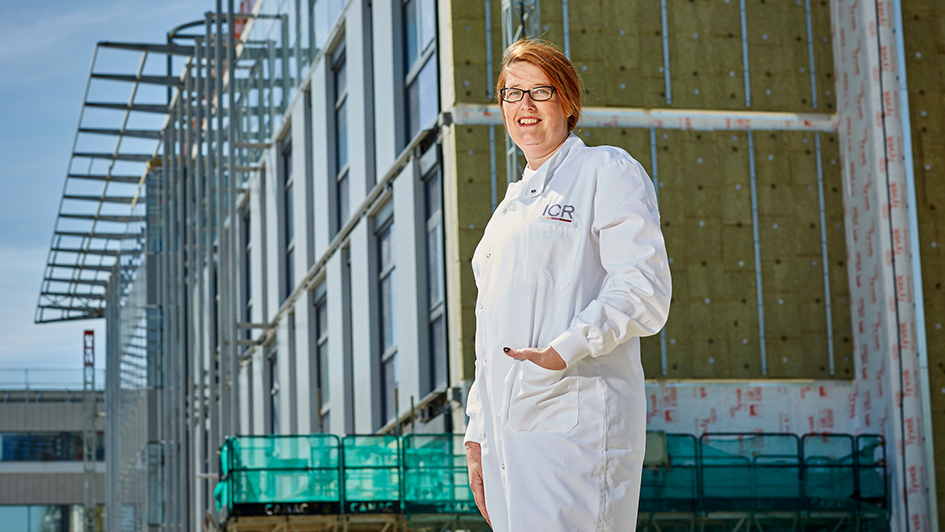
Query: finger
point(517, 354)
point(479, 495)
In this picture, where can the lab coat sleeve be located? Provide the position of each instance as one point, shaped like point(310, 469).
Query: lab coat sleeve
point(635, 294)
point(475, 431)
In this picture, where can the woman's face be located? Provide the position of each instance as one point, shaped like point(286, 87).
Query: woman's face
point(538, 128)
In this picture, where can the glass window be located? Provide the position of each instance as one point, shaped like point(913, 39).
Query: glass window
point(321, 26)
point(289, 271)
point(41, 518)
point(411, 38)
point(247, 273)
point(427, 23)
point(274, 413)
point(325, 14)
point(387, 288)
point(321, 359)
point(46, 446)
point(288, 219)
point(421, 96)
point(340, 86)
point(436, 291)
point(289, 226)
point(155, 483)
point(15, 517)
point(344, 200)
point(341, 118)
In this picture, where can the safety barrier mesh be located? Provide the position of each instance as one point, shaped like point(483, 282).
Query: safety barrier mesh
point(426, 474)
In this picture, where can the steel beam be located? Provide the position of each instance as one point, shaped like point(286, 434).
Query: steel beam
point(122, 219)
point(107, 199)
point(130, 157)
point(93, 282)
point(96, 310)
point(169, 49)
point(168, 81)
point(684, 119)
point(99, 236)
point(74, 296)
point(135, 133)
point(130, 179)
point(160, 109)
point(79, 251)
point(89, 267)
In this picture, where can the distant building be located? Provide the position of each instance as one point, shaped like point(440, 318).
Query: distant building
point(41, 469)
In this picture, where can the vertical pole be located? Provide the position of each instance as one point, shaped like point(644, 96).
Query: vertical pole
point(520, 19)
point(196, 399)
point(566, 25)
point(823, 253)
point(209, 400)
point(757, 245)
point(88, 435)
point(167, 412)
point(299, 60)
point(654, 169)
point(233, 255)
point(664, 30)
point(183, 309)
point(220, 352)
point(489, 88)
point(743, 14)
point(167, 157)
point(284, 53)
point(810, 56)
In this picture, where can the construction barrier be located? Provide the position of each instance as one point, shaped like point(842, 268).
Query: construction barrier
point(834, 476)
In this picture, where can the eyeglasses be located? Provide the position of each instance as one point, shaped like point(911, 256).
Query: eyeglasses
point(537, 94)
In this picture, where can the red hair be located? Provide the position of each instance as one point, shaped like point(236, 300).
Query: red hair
point(553, 64)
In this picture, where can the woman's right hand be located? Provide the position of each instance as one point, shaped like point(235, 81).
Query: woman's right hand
point(474, 463)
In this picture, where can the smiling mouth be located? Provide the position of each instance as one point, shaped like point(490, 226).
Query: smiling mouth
point(528, 121)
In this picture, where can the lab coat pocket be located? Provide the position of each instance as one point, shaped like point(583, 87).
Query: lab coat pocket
point(544, 400)
point(548, 255)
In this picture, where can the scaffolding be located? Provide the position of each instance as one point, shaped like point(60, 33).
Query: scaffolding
point(89, 417)
point(419, 482)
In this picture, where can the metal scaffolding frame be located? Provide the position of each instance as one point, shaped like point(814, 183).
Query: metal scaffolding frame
point(87, 237)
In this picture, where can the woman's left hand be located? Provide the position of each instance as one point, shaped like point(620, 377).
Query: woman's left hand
point(547, 358)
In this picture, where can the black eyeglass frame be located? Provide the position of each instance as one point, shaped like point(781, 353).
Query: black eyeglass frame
point(504, 91)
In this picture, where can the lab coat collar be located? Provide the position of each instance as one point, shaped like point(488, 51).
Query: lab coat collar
point(535, 184)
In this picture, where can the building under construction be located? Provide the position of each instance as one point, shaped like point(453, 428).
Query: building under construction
point(283, 256)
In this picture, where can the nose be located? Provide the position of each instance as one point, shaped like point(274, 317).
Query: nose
point(527, 101)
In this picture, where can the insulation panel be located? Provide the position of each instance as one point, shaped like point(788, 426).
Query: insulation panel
point(924, 35)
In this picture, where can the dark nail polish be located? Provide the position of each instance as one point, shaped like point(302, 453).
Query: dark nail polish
point(506, 349)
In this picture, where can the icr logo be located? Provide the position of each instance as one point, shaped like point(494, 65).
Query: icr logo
point(559, 212)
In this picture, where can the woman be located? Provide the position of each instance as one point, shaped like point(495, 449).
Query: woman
point(571, 271)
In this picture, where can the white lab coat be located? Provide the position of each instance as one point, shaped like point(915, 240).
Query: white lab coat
point(573, 257)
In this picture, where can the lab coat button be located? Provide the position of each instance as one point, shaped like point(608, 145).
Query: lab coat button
point(488, 255)
point(503, 466)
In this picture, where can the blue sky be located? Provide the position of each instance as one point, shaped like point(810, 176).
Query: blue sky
point(45, 52)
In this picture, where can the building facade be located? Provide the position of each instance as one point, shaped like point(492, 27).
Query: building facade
point(300, 262)
point(42, 480)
